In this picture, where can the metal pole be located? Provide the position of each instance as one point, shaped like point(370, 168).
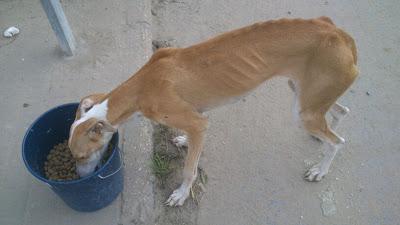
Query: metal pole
point(59, 23)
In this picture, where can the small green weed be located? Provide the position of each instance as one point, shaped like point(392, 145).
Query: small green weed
point(160, 165)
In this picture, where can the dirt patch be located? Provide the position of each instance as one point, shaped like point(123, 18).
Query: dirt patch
point(157, 44)
point(167, 164)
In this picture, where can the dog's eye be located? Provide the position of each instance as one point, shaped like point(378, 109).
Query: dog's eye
point(87, 109)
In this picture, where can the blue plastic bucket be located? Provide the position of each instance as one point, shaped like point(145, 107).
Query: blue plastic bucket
point(86, 194)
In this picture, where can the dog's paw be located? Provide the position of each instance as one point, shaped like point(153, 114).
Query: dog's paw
point(315, 173)
point(180, 141)
point(178, 197)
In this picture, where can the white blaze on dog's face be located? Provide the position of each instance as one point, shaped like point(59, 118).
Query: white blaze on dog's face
point(89, 135)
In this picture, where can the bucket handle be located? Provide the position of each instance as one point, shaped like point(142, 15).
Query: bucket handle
point(116, 171)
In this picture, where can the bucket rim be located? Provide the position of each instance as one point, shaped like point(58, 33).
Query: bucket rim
point(38, 176)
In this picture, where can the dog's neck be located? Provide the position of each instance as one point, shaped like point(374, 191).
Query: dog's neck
point(122, 101)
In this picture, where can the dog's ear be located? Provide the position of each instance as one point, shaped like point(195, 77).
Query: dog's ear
point(85, 104)
point(97, 130)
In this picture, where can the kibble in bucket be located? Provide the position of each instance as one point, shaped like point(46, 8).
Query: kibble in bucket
point(60, 165)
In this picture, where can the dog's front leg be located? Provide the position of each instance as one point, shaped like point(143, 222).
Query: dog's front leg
point(179, 196)
point(174, 112)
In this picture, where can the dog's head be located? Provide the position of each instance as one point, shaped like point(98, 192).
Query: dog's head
point(90, 133)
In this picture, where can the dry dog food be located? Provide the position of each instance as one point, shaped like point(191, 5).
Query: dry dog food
point(60, 165)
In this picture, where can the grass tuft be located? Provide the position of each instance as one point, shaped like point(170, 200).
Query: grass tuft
point(160, 165)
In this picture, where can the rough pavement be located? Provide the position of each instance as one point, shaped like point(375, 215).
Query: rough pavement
point(255, 154)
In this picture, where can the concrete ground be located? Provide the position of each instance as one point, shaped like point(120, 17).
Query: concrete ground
point(114, 40)
point(255, 154)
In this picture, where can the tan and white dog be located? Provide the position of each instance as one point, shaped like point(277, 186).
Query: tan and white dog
point(177, 84)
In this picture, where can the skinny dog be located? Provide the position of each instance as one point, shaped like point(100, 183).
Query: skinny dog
point(177, 84)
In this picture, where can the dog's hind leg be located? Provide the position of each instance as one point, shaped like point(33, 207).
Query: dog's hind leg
point(319, 92)
point(315, 123)
point(338, 112)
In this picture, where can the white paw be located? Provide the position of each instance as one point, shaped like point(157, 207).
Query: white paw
point(316, 173)
point(178, 197)
point(180, 141)
point(11, 31)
